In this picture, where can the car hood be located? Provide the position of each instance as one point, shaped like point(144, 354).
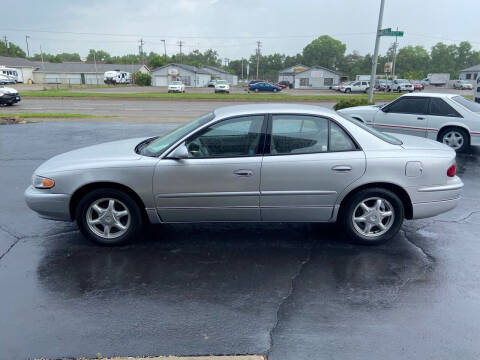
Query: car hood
point(8, 90)
point(101, 155)
point(363, 108)
point(410, 142)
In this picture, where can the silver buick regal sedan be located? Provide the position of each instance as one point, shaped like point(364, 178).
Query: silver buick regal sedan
point(250, 163)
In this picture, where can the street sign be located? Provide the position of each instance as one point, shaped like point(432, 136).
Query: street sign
point(388, 68)
point(389, 32)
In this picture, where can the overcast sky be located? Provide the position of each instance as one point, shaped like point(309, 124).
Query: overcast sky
point(232, 27)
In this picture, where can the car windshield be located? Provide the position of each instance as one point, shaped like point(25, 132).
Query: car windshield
point(469, 104)
point(159, 145)
point(402, 81)
point(177, 83)
point(221, 82)
point(385, 137)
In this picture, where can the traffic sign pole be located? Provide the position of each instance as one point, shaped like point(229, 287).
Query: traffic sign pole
point(375, 53)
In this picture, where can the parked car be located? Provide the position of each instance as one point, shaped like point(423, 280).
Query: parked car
point(222, 86)
point(448, 118)
point(400, 85)
point(316, 166)
point(417, 85)
point(212, 83)
point(264, 86)
point(285, 84)
point(425, 82)
point(462, 85)
point(251, 82)
point(337, 86)
point(176, 86)
point(8, 96)
point(355, 86)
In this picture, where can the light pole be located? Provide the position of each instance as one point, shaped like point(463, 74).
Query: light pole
point(375, 53)
point(165, 49)
point(26, 39)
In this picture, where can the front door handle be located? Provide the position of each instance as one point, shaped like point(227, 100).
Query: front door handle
point(342, 168)
point(420, 118)
point(243, 172)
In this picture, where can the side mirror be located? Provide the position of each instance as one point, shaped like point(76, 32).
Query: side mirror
point(384, 109)
point(181, 152)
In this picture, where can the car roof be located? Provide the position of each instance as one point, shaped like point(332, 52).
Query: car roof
point(423, 94)
point(236, 110)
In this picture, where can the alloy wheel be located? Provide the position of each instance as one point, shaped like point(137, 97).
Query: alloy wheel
point(454, 139)
point(373, 217)
point(108, 218)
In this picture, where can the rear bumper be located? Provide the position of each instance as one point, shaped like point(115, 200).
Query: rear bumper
point(434, 200)
point(47, 205)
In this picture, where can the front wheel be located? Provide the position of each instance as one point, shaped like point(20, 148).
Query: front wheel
point(256, 90)
point(275, 90)
point(348, 90)
point(372, 216)
point(109, 217)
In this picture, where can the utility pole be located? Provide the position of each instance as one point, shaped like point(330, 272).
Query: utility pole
point(41, 54)
point(140, 48)
point(6, 43)
point(395, 44)
point(26, 39)
point(226, 61)
point(180, 44)
point(165, 49)
point(259, 44)
point(95, 62)
point(375, 53)
point(242, 69)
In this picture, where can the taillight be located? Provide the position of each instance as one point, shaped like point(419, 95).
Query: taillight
point(452, 170)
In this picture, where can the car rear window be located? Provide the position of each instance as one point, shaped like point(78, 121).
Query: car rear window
point(385, 137)
point(469, 104)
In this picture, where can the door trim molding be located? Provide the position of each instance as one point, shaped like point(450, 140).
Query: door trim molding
point(209, 194)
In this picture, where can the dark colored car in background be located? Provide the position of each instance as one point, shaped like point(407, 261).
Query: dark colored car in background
point(264, 86)
point(251, 82)
point(417, 85)
point(8, 96)
point(285, 84)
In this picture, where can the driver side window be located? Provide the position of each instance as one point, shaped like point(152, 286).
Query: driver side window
point(235, 137)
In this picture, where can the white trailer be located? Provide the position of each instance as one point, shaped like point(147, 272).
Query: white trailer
point(15, 75)
point(438, 79)
point(117, 77)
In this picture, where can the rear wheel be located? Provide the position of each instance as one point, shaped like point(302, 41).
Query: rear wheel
point(456, 138)
point(372, 216)
point(109, 217)
point(274, 90)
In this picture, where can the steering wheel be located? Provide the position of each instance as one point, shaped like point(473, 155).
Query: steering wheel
point(197, 149)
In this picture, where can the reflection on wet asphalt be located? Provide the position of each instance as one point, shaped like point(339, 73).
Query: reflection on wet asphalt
point(291, 291)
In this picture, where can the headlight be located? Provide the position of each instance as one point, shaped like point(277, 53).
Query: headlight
point(41, 182)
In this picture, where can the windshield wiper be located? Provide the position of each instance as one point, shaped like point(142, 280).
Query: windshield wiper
point(139, 148)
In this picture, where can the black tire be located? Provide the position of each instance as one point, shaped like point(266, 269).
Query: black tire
point(346, 216)
point(463, 132)
point(275, 90)
point(256, 90)
point(134, 227)
point(347, 90)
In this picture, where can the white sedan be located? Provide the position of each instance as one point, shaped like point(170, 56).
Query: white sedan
point(222, 86)
point(448, 118)
point(176, 86)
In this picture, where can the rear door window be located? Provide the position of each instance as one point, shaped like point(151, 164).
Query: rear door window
point(439, 107)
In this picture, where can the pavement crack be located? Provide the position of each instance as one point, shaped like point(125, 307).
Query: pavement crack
point(284, 300)
point(429, 257)
point(16, 237)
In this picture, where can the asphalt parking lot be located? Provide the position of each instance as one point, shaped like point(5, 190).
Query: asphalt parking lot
point(289, 291)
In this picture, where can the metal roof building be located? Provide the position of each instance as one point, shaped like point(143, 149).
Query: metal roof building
point(316, 77)
point(470, 73)
point(191, 76)
point(217, 73)
point(79, 73)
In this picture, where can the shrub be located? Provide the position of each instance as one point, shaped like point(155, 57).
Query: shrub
point(346, 103)
point(142, 79)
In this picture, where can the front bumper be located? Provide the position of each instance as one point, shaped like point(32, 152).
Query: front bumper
point(434, 200)
point(48, 205)
point(10, 99)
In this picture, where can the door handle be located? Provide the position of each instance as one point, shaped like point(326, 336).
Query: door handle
point(243, 172)
point(342, 168)
point(420, 118)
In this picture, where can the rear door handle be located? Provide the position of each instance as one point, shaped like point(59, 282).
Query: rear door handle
point(342, 168)
point(420, 118)
point(243, 172)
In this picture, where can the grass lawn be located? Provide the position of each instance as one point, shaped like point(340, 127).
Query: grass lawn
point(192, 96)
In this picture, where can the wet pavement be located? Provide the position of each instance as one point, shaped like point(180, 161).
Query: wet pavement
point(289, 291)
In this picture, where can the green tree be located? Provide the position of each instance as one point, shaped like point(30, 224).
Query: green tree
point(324, 51)
point(12, 50)
point(142, 79)
point(99, 56)
point(412, 62)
